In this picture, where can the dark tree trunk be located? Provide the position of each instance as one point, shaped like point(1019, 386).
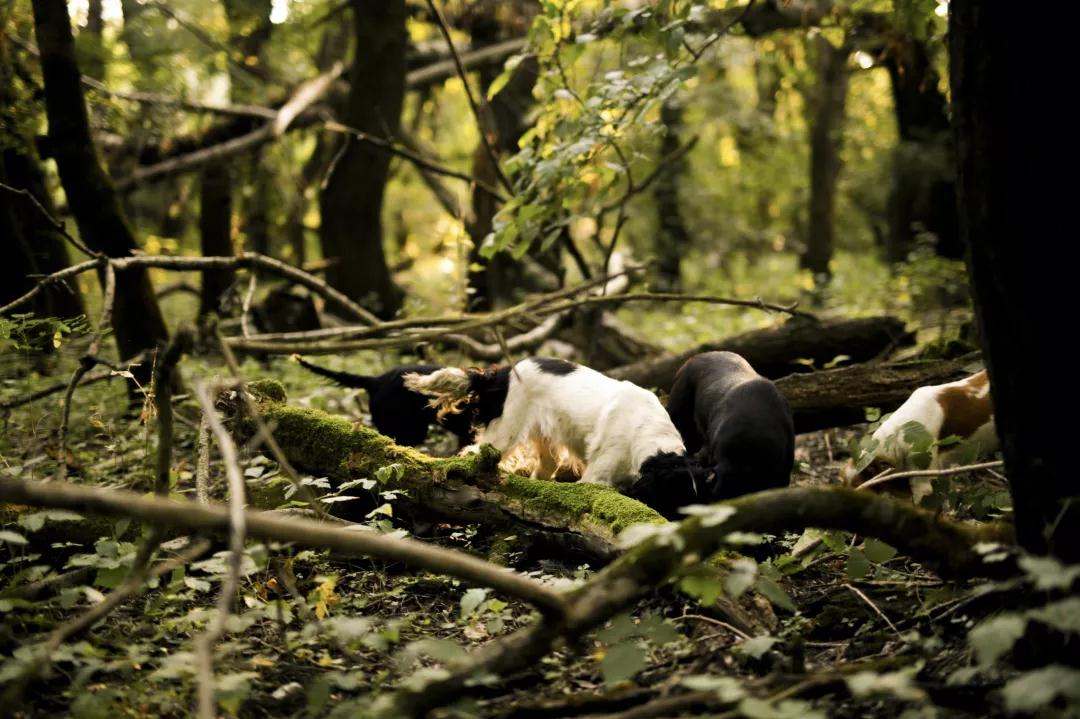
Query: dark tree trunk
point(1017, 217)
point(672, 239)
point(826, 137)
point(91, 49)
point(249, 28)
point(32, 244)
point(215, 231)
point(137, 320)
point(923, 195)
point(351, 204)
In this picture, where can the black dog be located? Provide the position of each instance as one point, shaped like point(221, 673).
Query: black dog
point(401, 414)
point(737, 423)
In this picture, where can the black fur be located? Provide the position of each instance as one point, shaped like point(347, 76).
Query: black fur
point(488, 390)
point(670, 481)
point(284, 311)
point(557, 367)
point(401, 414)
point(738, 423)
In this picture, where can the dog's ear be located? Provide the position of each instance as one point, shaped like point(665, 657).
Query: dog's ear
point(448, 388)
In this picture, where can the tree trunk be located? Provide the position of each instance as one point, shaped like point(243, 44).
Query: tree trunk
point(351, 203)
point(826, 138)
point(32, 244)
point(1017, 214)
point(91, 49)
point(672, 239)
point(137, 320)
point(923, 195)
point(249, 28)
point(215, 231)
point(777, 351)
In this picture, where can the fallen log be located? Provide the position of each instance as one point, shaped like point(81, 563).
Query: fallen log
point(779, 351)
point(839, 397)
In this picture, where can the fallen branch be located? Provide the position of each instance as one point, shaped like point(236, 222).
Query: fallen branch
point(59, 226)
point(247, 260)
point(890, 475)
point(193, 517)
point(920, 533)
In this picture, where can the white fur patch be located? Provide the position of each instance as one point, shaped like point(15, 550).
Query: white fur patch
point(611, 427)
point(447, 387)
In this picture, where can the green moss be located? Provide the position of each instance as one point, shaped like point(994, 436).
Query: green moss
point(587, 502)
point(267, 390)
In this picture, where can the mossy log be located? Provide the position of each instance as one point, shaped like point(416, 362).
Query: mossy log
point(467, 488)
point(779, 351)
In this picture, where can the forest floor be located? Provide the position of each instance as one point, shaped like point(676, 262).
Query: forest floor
point(857, 607)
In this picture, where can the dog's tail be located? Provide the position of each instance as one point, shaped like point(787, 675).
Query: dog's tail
point(670, 481)
point(345, 379)
point(449, 388)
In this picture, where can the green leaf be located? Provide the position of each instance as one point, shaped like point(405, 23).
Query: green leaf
point(1063, 615)
point(1034, 690)
point(471, 600)
point(994, 637)
point(657, 630)
point(622, 627)
point(727, 689)
point(12, 537)
point(706, 588)
point(756, 647)
point(741, 577)
point(1048, 573)
point(775, 594)
point(858, 566)
point(877, 551)
point(622, 662)
point(897, 684)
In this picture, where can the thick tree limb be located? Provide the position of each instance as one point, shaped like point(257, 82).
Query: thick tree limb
point(215, 518)
point(773, 351)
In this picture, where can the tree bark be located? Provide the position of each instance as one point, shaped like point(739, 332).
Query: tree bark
point(137, 319)
point(839, 397)
point(774, 352)
point(1011, 158)
point(923, 195)
point(351, 204)
point(215, 232)
point(826, 138)
point(32, 245)
point(672, 239)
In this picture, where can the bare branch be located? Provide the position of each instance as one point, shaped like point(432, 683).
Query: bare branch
point(213, 518)
point(57, 224)
point(889, 475)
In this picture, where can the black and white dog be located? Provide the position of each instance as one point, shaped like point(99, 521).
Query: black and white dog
point(617, 430)
point(396, 411)
point(737, 423)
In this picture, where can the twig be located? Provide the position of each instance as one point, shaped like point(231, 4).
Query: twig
point(419, 160)
point(204, 645)
point(194, 517)
point(492, 155)
point(859, 593)
point(202, 462)
point(696, 54)
point(57, 224)
point(524, 341)
point(246, 260)
point(245, 309)
point(424, 76)
point(205, 38)
point(86, 363)
point(730, 627)
point(264, 433)
point(889, 475)
point(662, 166)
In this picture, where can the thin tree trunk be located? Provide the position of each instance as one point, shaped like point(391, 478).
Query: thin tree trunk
point(923, 195)
point(351, 204)
point(137, 319)
point(91, 49)
point(672, 239)
point(215, 231)
point(1016, 143)
point(826, 137)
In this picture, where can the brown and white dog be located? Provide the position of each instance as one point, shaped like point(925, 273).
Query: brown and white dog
point(960, 409)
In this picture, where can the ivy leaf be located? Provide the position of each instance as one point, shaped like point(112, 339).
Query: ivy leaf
point(471, 600)
point(1034, 690)
point(897, 684)
point(858, 566)
point(1063, 615)
point(12, 537)
point(1048, 573)
point(706, 588)
point(756, 647)
point(622, 662)
point(992, 638)
point(741, 577)
point(727, 689)
point(877, 551)
point(775, 594)
point(622, 627)
point(657, 630)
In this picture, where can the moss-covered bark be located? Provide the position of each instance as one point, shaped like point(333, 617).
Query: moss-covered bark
point(464, 487)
